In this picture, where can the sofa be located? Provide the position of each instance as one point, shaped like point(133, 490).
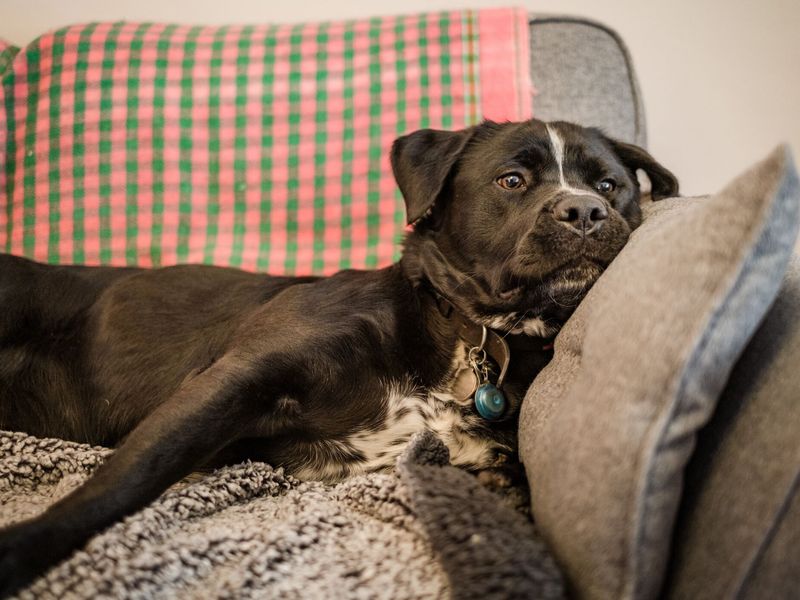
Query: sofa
point(715, 509)
point(737, 524)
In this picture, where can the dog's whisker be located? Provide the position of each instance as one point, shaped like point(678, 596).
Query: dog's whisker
point(513, 327)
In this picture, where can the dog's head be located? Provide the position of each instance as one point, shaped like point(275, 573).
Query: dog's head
point(514, 222)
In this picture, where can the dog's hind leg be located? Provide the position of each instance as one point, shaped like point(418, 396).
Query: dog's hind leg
point(206, 413)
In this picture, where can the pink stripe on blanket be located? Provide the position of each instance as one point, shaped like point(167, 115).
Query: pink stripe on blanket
point(506, 90)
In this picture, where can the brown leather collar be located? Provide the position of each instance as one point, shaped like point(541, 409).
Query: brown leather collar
point(475, 334)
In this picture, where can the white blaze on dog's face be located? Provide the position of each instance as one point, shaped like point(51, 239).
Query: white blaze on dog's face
point(522, 217)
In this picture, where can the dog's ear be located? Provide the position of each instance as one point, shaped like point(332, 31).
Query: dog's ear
point(665, 184)
point(422, 162)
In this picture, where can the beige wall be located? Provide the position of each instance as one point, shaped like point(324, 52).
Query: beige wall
point(720, 79)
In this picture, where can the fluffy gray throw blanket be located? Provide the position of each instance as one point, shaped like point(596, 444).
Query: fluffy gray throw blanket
point(427, 530)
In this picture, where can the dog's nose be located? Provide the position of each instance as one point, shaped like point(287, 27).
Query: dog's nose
point(585, 214)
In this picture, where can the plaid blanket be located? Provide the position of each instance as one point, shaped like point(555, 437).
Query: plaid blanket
point(261, 147)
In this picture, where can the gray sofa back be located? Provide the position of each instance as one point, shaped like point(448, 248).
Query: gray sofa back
point(583, 73)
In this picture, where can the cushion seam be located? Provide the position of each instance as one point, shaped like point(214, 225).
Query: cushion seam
point(780, 514)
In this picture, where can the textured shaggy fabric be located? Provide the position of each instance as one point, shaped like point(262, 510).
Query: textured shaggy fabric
point(609, 425)
point(738, 531)
point(255, 146)
point(426, 531)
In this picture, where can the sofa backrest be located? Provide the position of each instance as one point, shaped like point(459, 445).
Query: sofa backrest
point(583, 73)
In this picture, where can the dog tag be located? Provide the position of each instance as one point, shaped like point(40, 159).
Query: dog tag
point(464, 385)
point(490, 402)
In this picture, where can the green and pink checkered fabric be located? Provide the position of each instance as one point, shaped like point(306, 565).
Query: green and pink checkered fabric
point(261, 147)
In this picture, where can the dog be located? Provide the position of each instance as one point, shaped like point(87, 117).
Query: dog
point(185, 367)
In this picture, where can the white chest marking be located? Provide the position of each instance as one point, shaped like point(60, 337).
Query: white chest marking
point(514, 324)
point(534, 326)
point(409, 410)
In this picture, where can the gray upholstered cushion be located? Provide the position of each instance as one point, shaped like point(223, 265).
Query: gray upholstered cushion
point(583, 73)
point(738, 532)
point(608, 426)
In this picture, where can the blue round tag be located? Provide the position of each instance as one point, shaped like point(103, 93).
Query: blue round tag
point(490, 402)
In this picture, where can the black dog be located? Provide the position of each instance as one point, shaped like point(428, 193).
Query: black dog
point(193, 366)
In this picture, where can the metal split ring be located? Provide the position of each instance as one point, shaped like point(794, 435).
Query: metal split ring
point(473, 352)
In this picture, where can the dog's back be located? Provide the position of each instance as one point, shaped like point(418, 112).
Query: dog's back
point(75, 341)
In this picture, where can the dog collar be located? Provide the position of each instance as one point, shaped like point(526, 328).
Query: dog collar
point(483, 342)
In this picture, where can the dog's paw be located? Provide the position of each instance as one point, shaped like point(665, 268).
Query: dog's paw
point(494, 479)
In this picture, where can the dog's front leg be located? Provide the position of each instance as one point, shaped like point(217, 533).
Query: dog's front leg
point(206, 413)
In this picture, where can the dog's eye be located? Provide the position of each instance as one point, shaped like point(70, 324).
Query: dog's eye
point(606, 186)
point(511, 181)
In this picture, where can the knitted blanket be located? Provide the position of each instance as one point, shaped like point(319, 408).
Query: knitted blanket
point(428, 530)
point(264, 147)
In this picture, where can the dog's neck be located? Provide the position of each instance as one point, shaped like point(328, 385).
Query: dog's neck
point(424, 265)
point(442, 296)
point(473, 334)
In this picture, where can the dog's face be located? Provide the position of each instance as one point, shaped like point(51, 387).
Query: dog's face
point(514, 222)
